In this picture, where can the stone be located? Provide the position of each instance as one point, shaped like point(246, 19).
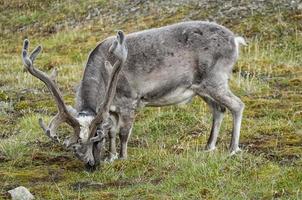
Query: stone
point(21, 193)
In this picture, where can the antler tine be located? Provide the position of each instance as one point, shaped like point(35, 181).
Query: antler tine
point(50, 131)
point(63, 115)
point(118, 48)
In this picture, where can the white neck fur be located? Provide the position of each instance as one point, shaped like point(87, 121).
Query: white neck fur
point(85, 122)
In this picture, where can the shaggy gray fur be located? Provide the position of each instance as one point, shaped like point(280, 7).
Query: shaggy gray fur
point(165, 66)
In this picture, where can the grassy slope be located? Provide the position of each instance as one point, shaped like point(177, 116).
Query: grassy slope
point(166, 161)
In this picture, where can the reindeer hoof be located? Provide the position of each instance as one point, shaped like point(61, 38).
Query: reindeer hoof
point(90, 168)
point(111, 158)
point(210, 148)
point(235, 151)
point(122, 158)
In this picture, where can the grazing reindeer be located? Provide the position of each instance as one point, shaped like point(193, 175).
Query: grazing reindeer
point(165, 66)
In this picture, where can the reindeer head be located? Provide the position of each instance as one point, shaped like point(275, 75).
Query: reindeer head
point(89, 134)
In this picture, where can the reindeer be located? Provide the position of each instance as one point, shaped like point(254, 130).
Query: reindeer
point(157, 67)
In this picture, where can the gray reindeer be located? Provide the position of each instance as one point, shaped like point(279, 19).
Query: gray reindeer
point(157, 67)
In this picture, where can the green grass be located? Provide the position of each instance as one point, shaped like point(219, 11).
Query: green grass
point(166, 157)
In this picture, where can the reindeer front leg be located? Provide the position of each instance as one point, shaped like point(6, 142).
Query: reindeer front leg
point(125, 132)
point(112, 145)
point(112, 139)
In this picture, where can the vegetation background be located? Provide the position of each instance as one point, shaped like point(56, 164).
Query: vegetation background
point(166, 157)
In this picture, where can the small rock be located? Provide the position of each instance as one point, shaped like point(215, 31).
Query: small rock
point(21, 193)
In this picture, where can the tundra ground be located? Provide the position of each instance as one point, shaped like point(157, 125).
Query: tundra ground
point(166, 157)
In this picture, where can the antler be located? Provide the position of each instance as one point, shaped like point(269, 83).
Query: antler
point(63, 114)
point(118, 49)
